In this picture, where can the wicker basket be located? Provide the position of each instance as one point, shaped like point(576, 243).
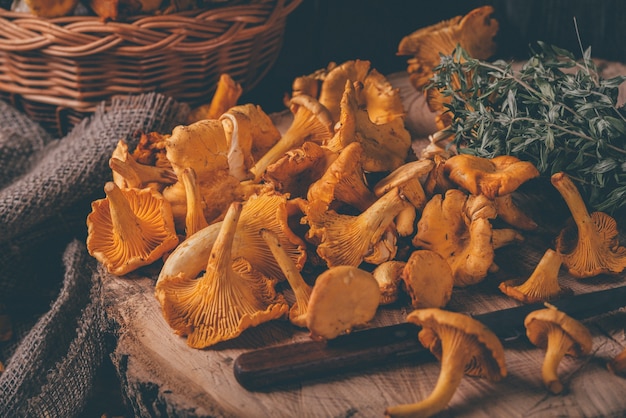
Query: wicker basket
point(59, 70)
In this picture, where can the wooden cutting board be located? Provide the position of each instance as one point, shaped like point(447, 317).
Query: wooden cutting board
point(162, 376)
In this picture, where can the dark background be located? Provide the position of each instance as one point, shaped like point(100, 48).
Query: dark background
point(321, 31)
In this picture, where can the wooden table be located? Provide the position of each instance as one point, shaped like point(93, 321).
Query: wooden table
point(162, 376)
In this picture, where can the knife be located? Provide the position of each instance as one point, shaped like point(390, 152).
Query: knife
point(269, 367)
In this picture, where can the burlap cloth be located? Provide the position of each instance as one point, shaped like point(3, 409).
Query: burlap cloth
point(49, 285)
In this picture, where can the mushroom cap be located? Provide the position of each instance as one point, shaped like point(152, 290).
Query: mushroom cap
point(428, 279)
point(491, 177)
point(381, 99)
point(295, 171)
point(475, 32)
point(463, 239)
point(539, 322)
point(153, 233)
point(201, 146)
point(250, 133)
point(386, 146)
point(334, 84)
point(343, 298)
point(343, 183)
point(488, 360)
point(227, 299)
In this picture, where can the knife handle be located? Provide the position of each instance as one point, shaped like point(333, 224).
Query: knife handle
point(293, 362)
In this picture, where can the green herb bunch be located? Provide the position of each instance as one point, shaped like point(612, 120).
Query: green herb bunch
point(555, 112)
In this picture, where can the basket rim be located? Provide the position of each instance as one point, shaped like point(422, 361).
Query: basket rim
point(192, 31)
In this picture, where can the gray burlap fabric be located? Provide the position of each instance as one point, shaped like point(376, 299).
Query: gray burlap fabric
point(49, 284)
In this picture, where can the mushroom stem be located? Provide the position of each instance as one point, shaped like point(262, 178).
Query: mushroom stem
point(125, 223)
point(194, 218)
point(220, 258)
point(558, 344)
point(311, 121)
point(575, 203)
point(301, 290)
point(453, 363)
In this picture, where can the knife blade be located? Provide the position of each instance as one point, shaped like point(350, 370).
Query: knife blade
point(272, 366)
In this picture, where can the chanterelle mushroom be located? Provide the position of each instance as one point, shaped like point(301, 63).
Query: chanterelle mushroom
point(227, 299)
point(463, 345)
point(294, 172)
point(542, 285)
point(343, 298)
point(343, 183)
point(475, 32)
point(491, 177)
point(385, 146)
point(201, 146)
point(591, 246)
point(464, 241)
point(311, 122)
point(226, 95)
point(127, 172)
point(129, 228)
point(558, 334)
point(348, 240)
point(428, 279)
point(250, 133)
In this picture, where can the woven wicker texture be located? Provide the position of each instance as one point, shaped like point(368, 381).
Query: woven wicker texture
point(58, 70)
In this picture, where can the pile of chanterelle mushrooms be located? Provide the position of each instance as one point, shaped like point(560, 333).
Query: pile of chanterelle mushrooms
point(234, 209)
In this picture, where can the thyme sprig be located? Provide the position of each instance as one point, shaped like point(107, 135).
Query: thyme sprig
point(554, 111)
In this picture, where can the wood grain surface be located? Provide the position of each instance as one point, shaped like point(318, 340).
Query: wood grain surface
point(162, 376)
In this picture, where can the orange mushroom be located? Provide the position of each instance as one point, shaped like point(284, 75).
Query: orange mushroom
point(194, 216)
point(250, 133)
point(385, 146)
point(343, 298)
point(343, 183)
point(295, 171)
point(560, 335)
point(226, 95)
point(428, 279)
point(589, 246)
point(227, 299)
point(130, 228)
point(542, 285)
point(464, 346)
point(267, 211)
point(343, 239)
point(127, 172)
point(491, 177)
point(311, 122)
point(201, 146)
point(463, 240)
